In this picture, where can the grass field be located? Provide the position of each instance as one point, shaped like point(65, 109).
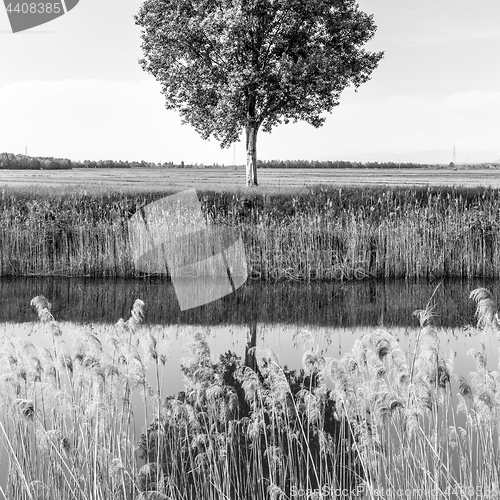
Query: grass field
point(146, 179)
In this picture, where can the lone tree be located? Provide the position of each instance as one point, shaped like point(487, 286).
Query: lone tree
point(229, 65)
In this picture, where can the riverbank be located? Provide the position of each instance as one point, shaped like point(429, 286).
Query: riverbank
point(322, 233)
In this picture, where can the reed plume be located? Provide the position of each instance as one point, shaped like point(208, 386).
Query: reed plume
point(43, 307)
point(486, 312)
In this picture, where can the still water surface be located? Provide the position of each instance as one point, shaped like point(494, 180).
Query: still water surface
point(336, 314)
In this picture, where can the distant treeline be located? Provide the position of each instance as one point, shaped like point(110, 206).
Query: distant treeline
point(337, 164)
point(23, 162)
point(20, 161)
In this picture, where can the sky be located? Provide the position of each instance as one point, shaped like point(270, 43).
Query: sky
point(73, 88)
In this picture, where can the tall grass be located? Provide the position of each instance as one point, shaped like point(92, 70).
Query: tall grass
point(61, 413)
point(239, 433)
point(68, 422)
point(375, 422)
point(415, 432)
point(324, 233)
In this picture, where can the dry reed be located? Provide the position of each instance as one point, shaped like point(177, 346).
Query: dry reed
point(325, 233)
point(373, 423)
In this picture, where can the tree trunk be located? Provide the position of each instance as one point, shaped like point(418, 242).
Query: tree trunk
point(250, 360)
point(251, 133)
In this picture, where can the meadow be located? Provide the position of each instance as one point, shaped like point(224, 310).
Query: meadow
point(312, 233)
point(233, 178)
point(375, 422)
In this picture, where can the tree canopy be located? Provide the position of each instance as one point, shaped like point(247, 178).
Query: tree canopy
point(233, 65)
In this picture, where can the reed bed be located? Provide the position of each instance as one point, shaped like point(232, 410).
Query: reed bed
point(376, 423)
point(416, 436)
point(68, 419)
point(318, 234)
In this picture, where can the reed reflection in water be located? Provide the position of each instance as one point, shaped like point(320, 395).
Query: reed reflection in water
point(321, 304)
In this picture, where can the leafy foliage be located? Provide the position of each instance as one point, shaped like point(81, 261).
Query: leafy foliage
point(229, 65)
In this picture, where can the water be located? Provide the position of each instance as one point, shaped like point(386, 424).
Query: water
point(335, 313)
point(354, 304)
